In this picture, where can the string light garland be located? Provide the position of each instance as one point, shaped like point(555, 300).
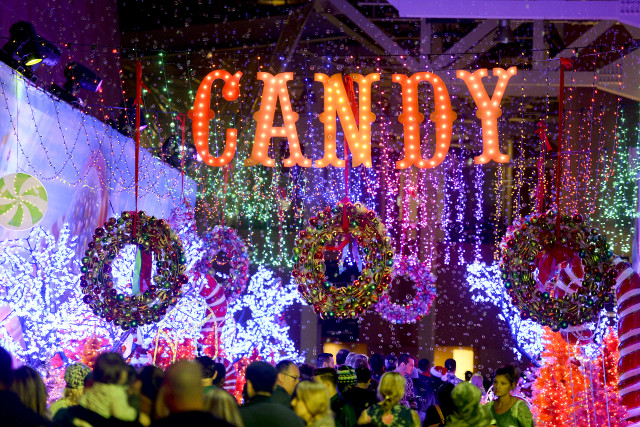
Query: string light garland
point(150, 235)
point(343, 222)
point(530, 243)
point(422, 282)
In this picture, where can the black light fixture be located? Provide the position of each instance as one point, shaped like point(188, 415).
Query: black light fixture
point(26, 50)
point(504, 35)
point(78, 76)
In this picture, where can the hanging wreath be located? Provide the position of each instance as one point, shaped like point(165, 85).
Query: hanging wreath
point(153, 237)
point(344, 223)
point(422, 282)
point(222, 245)
point(533, 261)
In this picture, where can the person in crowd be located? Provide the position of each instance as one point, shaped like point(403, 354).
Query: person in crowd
point(390, 363)
point(476, 380)
point(311, 403)
point(468, 412)
point(346, 378)
point(360, 396)
point(325, 360)
point(182, 394)
point(468, 375)
point(376, 361)
point(30, 389)
point(450, 376)
point(223, 405)
point(220, 375)
point(287, 379)
point(74, 376)
point(147, 385)
point(358, 361)
point(405, 368)
point(259, 410)
point(437, 414)
point(341, 357)
point(208, 367)
point(14, 412)
point(345, 414)
point(306, 371)
point(107, 396)
point(389, 411)
point(509, 410)
point(349, 360)
point(424, 388)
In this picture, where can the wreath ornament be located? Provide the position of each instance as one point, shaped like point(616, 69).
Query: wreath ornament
point(343, 224)
point(224, 242)
point(559, 283)
point(154, 237)
point(424, 292)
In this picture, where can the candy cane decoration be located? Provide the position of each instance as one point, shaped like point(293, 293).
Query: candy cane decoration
point(232, 374)
point(628, 296)
point(213, 295)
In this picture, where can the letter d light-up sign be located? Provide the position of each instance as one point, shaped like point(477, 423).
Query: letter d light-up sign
point(411, 117)
point(201, 114)
point(488, 110)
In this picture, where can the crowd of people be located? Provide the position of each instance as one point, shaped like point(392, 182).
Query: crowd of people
point(350, 389)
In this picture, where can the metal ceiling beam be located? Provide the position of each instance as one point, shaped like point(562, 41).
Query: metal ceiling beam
point(379, 36)
point(349, 32)
point(588, 37)
point(539, 53)
point(465, 43)
point(290, 36)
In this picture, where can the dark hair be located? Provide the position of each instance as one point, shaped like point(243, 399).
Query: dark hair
point(262, 376)
point(323, 358)
point(444, 398)
point(363, 374)
point(221, 374)
point(376, 361)
point(450, 365)
point(341, 356)
point(108, 368)
point(511, 372)
point(306, 371)
point(390, 363)
point(327, 374)
point(423, 364)
point(131, 374)
point(28, 385)
point(151, 378)
point(468, 375)
point(6, 372)
point(404, 358)
point(283, 366)
point(207, 365)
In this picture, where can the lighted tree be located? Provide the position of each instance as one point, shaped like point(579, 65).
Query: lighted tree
point(606, 406)
point(485, 285)
point(255, 320)
point(42, 308)
point(559, 391)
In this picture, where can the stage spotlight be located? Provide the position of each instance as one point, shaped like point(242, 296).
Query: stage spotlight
point(78, 76)
point(26, 50)
point(504, 35)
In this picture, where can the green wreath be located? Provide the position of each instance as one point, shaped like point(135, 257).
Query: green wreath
point(344, 223)
point(151, 235)
point(532, 259)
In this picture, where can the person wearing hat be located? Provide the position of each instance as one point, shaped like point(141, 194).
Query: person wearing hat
point(347, 378)
point(74, 377)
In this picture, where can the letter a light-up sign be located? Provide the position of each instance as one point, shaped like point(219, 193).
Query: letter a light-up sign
point(336, 104)
point(275, 88)
point(488, 110)
point(411, 117)
point(201, 114)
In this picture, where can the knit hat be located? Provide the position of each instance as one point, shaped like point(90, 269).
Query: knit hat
point(346, 377)
point(75, 374)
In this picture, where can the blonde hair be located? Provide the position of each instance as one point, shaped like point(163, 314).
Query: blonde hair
point(477, 381)
point(315, 397)
point(72, 395)
point(391, 390)
point(223, 405)
point(30, 388)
